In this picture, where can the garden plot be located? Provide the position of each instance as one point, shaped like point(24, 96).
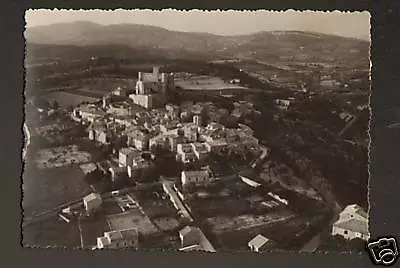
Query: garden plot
point(60, 157)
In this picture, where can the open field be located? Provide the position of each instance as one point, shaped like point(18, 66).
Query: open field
point(66, 99)
point(153, 204)
point(51, 233)
point(91, 229)
point(60, 157)
point(281, 234)
point(111, 207)
point(46, 188)
point(104, 84)
point(205, 83)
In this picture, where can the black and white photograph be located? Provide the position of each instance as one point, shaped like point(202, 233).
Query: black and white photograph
point(210, 131)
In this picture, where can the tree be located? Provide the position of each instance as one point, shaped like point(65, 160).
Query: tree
point(55, 105)
point(93, 177)
point(70, 108)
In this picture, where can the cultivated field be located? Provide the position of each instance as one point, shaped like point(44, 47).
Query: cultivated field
point(60, 157)
point(91, 229)
point(43, 189)
point(166, 223)
point(222, 223)
point(103, 85)
point(132, 219)
point(52, 129)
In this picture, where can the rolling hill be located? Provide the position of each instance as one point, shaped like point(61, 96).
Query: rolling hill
point(262, 46)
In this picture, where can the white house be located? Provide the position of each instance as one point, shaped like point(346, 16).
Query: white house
point(185, 153)
point(352, 223)
point(92, 202)
point(258, 243)
point(127, 238)
point(138, 139)
point(126, 156)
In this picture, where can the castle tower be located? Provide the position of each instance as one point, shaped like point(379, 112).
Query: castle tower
point(140, 76)
point(171, 81)
point(156, 71)
point(104, 101)
point(197, 120)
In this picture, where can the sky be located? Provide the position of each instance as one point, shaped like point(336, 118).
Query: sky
point(348, 24)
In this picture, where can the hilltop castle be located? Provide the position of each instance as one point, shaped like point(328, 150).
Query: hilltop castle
point(152, 89)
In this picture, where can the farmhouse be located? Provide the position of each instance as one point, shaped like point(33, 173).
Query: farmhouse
point(352, 223)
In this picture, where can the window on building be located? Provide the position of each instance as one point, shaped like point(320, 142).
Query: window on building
point(345, 232)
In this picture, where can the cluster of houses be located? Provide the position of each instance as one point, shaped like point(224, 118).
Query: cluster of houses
point(189, 141)
point(134, 120)
point(192, 239)
point(115, 239)
point(179, 129)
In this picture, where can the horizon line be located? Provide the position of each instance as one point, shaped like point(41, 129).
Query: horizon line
point(197, 32)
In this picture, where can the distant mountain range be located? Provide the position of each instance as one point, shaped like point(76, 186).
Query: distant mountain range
point(259, 46)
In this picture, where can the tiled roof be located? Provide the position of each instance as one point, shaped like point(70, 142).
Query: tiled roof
point(354, 225)
point(362, 213)
point(91, 196)
point(357, 209)
point(128, 150)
